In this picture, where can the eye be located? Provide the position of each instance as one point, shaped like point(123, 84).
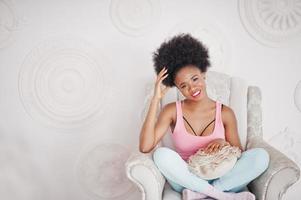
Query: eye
point(195, 79)
point(184, 86)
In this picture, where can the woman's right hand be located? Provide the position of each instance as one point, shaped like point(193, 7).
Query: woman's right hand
point(160, 90)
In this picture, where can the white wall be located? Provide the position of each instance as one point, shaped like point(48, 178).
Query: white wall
point(73, 74)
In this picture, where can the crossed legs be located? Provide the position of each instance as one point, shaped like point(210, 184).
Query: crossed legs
point(250, 165)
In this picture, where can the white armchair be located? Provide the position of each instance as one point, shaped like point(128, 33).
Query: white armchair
point(246, 102)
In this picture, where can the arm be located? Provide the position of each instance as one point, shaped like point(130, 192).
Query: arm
point(230, 124)
point(153, 130)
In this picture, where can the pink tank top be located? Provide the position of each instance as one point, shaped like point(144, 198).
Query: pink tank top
point(187, 144)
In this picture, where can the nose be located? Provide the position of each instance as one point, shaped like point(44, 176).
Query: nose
point(192, 91)
point(192, 88)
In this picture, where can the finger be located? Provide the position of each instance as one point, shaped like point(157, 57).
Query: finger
point(208, 148)
point(213, 147)
point(216, 148)
point(159, 81)
point(163, 71)
point(161, 75)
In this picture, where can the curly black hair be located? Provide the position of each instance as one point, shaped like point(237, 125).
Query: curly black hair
point(178, 52)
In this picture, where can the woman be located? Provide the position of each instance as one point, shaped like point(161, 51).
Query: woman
point(197, 122)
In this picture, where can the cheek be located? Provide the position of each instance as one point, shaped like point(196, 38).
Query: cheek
point(184, 92)
point(202, 83)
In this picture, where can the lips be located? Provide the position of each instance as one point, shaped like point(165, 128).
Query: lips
point(197, 93)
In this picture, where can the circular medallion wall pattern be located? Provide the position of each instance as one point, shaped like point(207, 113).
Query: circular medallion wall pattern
point(61, 83)
point(100, 171)
point(8, 23)
point(212, 37)
point(272, 22)
point(297, 96)
point(135, 17)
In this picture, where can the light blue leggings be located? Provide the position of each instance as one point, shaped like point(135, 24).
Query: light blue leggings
point(250, 165)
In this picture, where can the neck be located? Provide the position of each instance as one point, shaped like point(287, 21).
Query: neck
point(199, 105)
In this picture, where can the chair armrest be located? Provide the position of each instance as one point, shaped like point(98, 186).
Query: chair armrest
point(280, 175)
point(141, 170)
point(254, 114)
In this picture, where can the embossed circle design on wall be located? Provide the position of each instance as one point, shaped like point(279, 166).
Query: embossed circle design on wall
point(213, 39)
point(101, 173)
point(272, 22)
point(297, 96)
point(135, 17)
point(61, 83)
point(8, 22)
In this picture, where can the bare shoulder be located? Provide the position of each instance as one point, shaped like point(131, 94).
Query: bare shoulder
point(170, 110)
point(170, 106)
point(227, 114)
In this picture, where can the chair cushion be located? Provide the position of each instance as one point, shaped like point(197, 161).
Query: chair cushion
point(170, 194)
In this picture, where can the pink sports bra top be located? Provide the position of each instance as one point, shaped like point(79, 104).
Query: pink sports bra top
point(187, 144)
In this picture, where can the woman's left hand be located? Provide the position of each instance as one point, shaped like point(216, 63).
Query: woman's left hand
point(215, 145)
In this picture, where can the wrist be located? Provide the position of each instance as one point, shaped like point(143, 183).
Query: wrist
point(155, 99)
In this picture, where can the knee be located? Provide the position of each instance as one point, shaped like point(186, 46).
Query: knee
point(262, 159)
point(161, 155)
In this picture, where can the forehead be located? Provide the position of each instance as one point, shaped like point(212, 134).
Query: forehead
point(186, 73)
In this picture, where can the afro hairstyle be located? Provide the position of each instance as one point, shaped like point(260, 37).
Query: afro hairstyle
point(178, 52)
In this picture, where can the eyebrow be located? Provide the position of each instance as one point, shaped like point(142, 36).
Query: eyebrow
point(190, 78)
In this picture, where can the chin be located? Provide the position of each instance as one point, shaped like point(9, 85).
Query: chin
point(199, 98)
point(195, 99)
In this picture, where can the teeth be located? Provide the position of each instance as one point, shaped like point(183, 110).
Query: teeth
point(196, 93)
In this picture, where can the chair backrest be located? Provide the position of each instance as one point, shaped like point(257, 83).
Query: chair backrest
point(231, 91)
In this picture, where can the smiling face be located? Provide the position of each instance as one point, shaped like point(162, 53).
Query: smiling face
point(191, 83)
